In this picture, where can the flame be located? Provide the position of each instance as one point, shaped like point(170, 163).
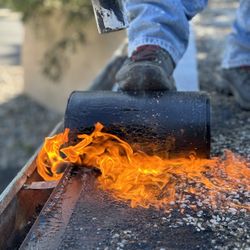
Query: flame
point(146, 180)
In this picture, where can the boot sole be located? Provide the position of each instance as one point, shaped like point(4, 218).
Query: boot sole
point(243, 104)
point(223, 87)
point(153, 79)
point(228, 88)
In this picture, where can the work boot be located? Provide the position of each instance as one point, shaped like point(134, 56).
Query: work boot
point(237, 82)
point(149, 68)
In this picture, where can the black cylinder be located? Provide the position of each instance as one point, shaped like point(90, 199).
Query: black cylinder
point(169, 124)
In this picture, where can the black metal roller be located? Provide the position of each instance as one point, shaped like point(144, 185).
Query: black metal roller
point(169, 124)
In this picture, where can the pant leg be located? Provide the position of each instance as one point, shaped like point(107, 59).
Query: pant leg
point(161, 22)
point(193, 7)
point(237, 51)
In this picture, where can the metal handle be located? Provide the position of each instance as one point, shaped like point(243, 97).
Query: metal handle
point(110, 15)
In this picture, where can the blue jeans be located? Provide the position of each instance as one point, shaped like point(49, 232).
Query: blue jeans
point(165, 23)
point(237, 51)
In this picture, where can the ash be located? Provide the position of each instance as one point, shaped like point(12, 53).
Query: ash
point(100, 222)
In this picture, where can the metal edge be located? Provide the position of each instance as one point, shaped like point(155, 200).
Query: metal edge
point(64, 197)
point(16, 184)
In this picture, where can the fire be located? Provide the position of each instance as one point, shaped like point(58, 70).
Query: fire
point(146, 180)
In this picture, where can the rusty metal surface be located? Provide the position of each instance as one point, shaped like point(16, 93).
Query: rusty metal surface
point(53, 219)
point(18, 217)
point(41, 185)
point(19, 207)
point(14, 187)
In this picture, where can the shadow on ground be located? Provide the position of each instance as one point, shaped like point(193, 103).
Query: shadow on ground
point(24, 124)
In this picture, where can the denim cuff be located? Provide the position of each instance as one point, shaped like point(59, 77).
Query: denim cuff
point(176, 55)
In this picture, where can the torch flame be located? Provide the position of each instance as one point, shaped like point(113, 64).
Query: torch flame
point(146, 180)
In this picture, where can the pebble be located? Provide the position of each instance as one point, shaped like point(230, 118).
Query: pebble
point(115, 236)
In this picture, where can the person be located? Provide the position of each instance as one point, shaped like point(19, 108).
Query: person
point(158, 37)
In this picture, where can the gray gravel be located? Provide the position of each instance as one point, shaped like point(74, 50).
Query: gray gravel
point(24, 124)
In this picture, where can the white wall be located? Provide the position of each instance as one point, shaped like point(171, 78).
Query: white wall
point(83, 68)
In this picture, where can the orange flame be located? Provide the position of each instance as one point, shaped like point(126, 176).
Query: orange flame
point(148, 180)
